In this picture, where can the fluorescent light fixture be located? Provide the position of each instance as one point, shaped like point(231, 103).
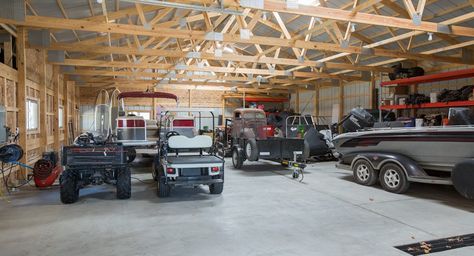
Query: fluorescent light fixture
point(308, 2)
point(228, 50)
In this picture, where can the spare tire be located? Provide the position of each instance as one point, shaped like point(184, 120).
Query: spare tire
point(463, 178)
point(251, 150)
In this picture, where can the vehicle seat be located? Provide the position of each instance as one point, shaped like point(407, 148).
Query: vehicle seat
point(183, 142)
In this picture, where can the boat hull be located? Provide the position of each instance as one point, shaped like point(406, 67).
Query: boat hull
point(432, 149)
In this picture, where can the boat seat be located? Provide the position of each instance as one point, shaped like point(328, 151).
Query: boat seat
point(183, 142)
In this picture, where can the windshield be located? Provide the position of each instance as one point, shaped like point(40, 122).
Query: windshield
point(254, 115)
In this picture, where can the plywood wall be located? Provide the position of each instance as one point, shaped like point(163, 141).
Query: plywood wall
point(40, 86)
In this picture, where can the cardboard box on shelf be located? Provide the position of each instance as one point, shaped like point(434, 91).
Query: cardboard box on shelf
point(433, 97)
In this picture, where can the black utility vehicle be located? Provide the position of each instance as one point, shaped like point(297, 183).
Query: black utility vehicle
point(89, 162)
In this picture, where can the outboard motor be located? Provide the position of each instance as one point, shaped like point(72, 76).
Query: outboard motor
point(357, 119)
point(460, 116)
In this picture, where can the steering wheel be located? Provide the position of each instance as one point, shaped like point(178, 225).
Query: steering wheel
point(171, 133)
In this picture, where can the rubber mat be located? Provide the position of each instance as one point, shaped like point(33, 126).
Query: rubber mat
point(438, 245)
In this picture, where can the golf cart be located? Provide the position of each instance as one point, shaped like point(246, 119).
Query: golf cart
point(185, 156)
point(133, 131)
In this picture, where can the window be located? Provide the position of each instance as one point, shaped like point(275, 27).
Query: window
point(145, 115)
point(60, 117)
point(32, 115)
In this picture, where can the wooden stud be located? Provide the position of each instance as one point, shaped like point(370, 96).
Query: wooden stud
point(21, 93)
point(55, 124)
point(8, 52)
point(43, 104)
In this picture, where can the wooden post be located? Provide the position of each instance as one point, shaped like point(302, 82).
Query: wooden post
point(189, 98)
point(21, 93)
point(74, 112)
point(316, 100)
point(372, 91)
point(297, 101)
point(67, 115)
point(42, 106)
point(56, 107)
point(8, 52)
point(223, 110)
point(77, 93)
point(341, 99)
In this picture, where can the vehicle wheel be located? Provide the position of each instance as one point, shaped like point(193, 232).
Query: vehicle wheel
point(251, 150)
point(237, 160)
point(363, 173)
point(131, 155)
point(69, 191)
point(306, 151)
point(124, 183)
point(393, 179)
point(463, 178)
point(163, 188)
point(216, 188)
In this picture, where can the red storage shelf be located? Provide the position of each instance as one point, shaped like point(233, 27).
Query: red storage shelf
point(451, 75)
point(431, 105)
point(265, 99)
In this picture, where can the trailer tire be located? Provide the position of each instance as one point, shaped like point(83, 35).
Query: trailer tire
point(364, 173)
point(251, 150)
point(216, 188)
point(462, 177)
point(163, 188)
point(393, 178)
point(124, 183)
point(131, 155)
point(237, 159)
point(69, 191)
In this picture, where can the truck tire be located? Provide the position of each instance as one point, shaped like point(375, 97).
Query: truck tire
point(393, 178)
point(463, 178)
point(364, 173)
point(237, 159)
point(131, 155)
point(251, 150)
point(124, 183)
point(216, 188)
point(163, 188)
point(69, 192)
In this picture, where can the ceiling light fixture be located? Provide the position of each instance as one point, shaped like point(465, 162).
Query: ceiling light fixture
point(430, 36)
point(353, 27)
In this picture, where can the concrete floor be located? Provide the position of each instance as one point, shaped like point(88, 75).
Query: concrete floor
point(261, 212)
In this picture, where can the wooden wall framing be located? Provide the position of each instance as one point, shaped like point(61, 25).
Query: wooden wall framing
point(51, 91)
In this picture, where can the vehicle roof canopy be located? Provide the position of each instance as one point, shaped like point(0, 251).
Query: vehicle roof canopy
point(163, 95)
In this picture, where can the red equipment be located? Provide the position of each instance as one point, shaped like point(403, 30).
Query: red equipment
point(45, 173)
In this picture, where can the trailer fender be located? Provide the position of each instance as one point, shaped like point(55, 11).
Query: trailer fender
point(377, 160)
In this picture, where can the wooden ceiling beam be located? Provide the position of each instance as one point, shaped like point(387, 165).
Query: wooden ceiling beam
point(35, 21)
point(363, 18)
point(123, 64)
